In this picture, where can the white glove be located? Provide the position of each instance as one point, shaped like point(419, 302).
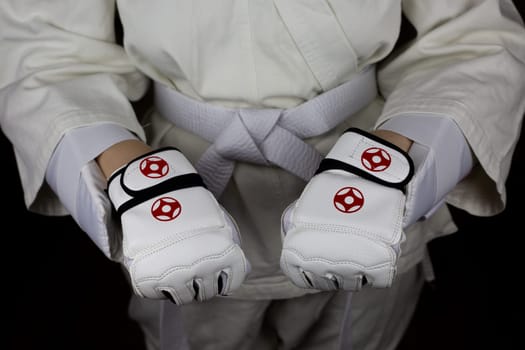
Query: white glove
point(345, 230)
point(178, 242)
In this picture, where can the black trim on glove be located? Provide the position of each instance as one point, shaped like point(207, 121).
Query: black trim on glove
point(172, 184)
point(334, 164)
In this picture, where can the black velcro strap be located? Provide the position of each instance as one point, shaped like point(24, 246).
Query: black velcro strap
point(334, 164)
point(172, 184)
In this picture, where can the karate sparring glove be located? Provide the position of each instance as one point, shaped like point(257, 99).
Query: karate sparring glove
point(345, 229)
point(178, 242)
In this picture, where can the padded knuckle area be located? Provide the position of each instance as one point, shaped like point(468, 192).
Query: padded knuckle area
point(178, 264)
point(338, 248)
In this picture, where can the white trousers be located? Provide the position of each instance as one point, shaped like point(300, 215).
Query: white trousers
point(375, 319)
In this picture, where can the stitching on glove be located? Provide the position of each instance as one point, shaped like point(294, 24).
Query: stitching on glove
point(170, 240)
point(341, 262)
point(231, 249)
point(350, 230)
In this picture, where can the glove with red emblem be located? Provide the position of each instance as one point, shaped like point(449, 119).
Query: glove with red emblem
point(346, 228)
point(178, 242)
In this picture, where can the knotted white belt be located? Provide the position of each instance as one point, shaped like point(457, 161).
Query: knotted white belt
point(264, 136)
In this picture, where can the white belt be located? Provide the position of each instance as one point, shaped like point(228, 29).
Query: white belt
point(264, 136)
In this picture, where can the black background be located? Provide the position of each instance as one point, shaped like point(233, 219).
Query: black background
point(60, 292)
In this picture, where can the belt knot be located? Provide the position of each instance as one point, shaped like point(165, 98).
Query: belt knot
point(244, 137)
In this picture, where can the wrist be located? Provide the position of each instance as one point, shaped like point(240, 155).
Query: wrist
point(120, 154)
point(397, 139)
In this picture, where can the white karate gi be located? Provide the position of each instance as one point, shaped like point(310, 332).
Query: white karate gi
point(62, 69)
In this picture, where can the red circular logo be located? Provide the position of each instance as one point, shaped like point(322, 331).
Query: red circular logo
point(375, 159)
point(349, 200)
point(154, 167)
point(166, 209)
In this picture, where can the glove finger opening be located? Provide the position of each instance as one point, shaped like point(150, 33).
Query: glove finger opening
point(169, 296)
point(222, 282)
point(196, 290)
point(307, 278)
point(364, 281)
